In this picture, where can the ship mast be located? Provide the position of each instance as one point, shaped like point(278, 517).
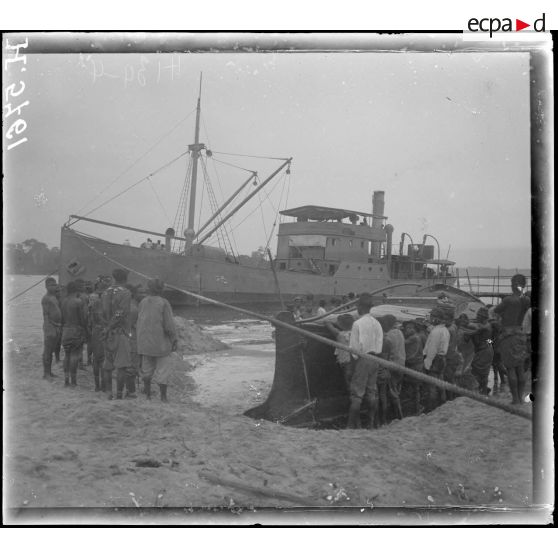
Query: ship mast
point(195, 149)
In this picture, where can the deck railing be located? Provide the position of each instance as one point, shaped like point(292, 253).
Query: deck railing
point(487, 286)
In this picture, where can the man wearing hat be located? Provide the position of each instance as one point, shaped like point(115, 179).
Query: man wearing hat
point(435, 351)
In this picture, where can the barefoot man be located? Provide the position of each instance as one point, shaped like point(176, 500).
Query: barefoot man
point(52, 325)
point(73, 332)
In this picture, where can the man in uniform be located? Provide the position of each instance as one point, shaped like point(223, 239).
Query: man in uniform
point(73, 332)
point(52, 325)
point(156, 338)
point(116, 313)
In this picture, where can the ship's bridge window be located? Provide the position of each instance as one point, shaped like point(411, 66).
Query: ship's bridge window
point(307, 240)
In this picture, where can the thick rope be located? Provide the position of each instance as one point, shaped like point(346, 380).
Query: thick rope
point(32, 286)
point(420, 376)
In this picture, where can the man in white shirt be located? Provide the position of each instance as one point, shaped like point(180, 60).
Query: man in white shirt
point(435, 350)
point(321, 308)
point(366, 337)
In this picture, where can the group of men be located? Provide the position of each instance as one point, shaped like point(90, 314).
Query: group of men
point(149, 244)
point(444, 348)
point(127, 330)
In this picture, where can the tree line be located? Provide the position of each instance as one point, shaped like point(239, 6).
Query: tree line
point(30, 257)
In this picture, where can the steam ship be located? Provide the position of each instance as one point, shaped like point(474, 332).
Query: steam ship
point(323, 251)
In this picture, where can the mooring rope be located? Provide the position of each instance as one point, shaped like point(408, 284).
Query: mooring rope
point(420, 376)
point(32, 286)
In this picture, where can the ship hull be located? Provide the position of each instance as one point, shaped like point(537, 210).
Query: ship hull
point(242, 285)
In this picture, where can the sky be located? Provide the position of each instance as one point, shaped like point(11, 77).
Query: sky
point(446, 136)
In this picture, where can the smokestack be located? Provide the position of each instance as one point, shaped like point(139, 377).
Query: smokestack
point(377, 208)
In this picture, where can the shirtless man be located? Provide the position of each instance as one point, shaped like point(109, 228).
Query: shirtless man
point(512, 342)
point(52, 325)
point(73, 332)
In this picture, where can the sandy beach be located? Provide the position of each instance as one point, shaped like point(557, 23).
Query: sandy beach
point(74, 448)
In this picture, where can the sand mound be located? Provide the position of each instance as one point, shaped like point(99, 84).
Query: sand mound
point(193, 339)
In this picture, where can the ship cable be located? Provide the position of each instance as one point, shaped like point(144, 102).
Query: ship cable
point(419, 376)
point(137, 160)
point(256, 208)
point(32, 286)
point(135, 184)
point(231, 165)
point(276, 212)
point(158, 199)
point(252, 156)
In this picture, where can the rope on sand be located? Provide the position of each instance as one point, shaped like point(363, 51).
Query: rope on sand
point(420, 376)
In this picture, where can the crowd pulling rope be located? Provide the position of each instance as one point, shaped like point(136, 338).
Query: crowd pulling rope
point(515, 410)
